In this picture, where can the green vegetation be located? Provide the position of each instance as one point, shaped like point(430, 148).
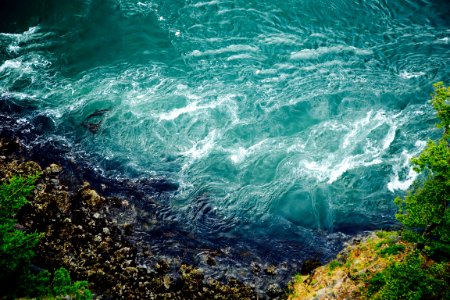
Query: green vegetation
point(425, 210)
point(62, 285)
point(425, 273)
point(333, 264)
point(411, 279)
point(393, 250)
point(18, 277)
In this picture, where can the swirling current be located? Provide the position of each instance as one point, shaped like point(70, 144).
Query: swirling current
point(282, 126)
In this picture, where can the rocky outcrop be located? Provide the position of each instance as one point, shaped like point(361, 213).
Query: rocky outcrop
point(346, 276)
point(88, 234)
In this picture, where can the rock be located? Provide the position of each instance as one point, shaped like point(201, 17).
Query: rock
point(167, 281)
point(128, 228)
point(80, 234)
point(210, 261)
point(28, 168)
point(270, 270)
point(161, 266)
point(91, 197)
point(53, 169)
point(309, 266)
point(255, 268)
point(191, 274)
point(54, 182)
point(274, 290)
point(131, 271)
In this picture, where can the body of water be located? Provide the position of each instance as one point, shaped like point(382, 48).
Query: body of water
point(284, 124)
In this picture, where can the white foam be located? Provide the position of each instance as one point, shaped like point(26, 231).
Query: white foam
point(191, 107)
point(396, 183)
point(444, 40)
point(326, 65)
point(21, 36)
point(328, 164)
point(239, 155)
point(316, 53)
point(10, 64)
point(239, 56)
point(13, 49)
point(329, 171)
point(266, 72)
point(200, 149)
point(195, 106)
point(17, 95)
point(202, 4)
point(355, 127)
point(231, 48)
point(387, 141)
point(408, 75)
point(280, 39)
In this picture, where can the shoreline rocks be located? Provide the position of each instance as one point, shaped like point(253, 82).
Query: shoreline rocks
point(88, 234)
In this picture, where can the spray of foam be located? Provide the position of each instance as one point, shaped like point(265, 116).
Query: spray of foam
point(403, 174)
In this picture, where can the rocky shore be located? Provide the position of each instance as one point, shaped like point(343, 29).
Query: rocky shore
point(349, 274)
point(89, 235)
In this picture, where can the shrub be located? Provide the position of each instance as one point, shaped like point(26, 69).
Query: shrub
point(393, 250)
point(425, 209)
point(17, 277)
point(62, 285)
point(424, 212)
point(16, 246)
point(410, 279)
point(334, 264)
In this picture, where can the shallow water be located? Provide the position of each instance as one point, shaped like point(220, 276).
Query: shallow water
point(282, 122)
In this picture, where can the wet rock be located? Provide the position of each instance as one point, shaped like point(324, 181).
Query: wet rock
point(53, 169)
point(128, 228)
point(161, 266)
point(255, 268)
point(210, 261)
point(91, 197)
point(274, 291)
point(270, 270)
point(80, 234)
point(190, 274)
point(309, 266)
point(132, 271)
point(167, 281)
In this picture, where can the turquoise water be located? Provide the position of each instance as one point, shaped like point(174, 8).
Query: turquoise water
point(279, 120)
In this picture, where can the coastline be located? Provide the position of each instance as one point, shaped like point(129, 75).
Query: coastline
point(133, 208)
point(349, 274)
point(89, 234)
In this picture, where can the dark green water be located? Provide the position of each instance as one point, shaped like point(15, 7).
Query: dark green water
point(280, 120)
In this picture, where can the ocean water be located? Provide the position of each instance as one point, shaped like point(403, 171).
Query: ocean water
point(281, 122)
